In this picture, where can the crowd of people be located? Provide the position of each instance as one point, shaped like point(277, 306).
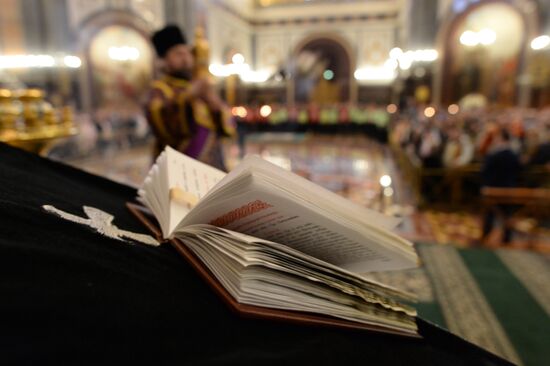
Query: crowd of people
point(447, 141)
point(503, 144)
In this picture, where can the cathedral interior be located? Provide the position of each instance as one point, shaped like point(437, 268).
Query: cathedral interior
point(396, 105)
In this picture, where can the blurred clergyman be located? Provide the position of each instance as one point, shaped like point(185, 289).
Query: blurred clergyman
point(185, 113)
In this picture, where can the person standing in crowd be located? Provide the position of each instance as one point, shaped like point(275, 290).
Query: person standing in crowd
point(183, 112)
point(459, 149)
point(431, 146)
point(501, 168)
point(541, 154)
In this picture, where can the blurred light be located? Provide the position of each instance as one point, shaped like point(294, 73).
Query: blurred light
point(72, 61)
point(45, 61)
point(219, 70)
point(429, 112)
point(405, 64)
point(391, 108)
point(250, 76)
point(396, 58)
point(380, 73)
point(226, 70)
point(390, 64)
point(123, 53)
point(237, 58)
point(242, 112)
point(395, 53)
point(469, 38)
point(453, 109)
point(385, 180)
point(243, 70)
point(425, 55)
point(239, 112)
point(238, 69)
point(360, 165)
point(328, 74)
point(265, 111)
point(388, 191)
point(487, 36)
point(26, 61)
point(540, 42)
point(406, 60)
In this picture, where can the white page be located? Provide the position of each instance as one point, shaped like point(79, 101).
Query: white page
point(192, 177)
point(261, 214)
point(304, 188)
point(292, 258)
point(154, 192)
point(334, 239)
point(250, 251)
point(262, 285)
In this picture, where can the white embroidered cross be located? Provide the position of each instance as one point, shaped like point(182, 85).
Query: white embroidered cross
point(102, 222)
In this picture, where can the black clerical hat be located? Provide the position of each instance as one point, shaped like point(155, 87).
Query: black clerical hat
point(166, 38)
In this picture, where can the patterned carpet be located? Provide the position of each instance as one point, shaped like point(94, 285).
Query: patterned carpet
point(499, 300)
point(463, 229)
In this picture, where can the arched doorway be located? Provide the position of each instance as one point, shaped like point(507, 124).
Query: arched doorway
point(483, 53)
point(119, 60)
point(322, 71)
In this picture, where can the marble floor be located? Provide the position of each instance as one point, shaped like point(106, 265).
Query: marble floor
point(353, 166)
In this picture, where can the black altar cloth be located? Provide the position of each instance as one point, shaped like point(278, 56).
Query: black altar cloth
point(69, 295)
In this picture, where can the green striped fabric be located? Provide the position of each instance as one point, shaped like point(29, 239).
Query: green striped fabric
point(499, 300)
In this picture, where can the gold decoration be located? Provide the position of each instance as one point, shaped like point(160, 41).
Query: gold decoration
point(201, 51)
point(422, 94)
point(31, 123)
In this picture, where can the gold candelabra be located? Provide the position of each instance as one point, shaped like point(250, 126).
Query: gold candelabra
point(31, 123)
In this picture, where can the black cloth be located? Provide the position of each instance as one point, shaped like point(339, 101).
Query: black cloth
point(542, 155)
point(71, 296)
point(500, 168)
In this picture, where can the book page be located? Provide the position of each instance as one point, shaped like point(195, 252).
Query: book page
point(192, 177)
point(299, 186)
point(265, 215)
point(296, 261)
point(153, 193)
point(273, 275)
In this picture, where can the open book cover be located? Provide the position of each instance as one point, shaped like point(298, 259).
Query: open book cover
point(275, 240)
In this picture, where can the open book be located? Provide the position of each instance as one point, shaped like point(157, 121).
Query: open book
point(276, 240)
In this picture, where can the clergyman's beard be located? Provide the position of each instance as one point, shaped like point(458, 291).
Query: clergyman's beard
point(180, 74)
